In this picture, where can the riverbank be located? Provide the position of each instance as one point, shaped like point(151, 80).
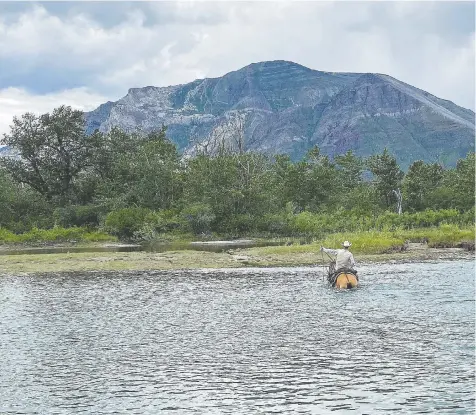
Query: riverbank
point(236, 258)
point(18, 247)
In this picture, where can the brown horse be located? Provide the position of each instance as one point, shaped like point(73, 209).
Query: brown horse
point(346, 280)
point(342, 278)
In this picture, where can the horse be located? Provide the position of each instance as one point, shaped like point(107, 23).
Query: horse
point(342, 278)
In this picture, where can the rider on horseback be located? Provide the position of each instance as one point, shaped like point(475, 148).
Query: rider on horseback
point(344, 260)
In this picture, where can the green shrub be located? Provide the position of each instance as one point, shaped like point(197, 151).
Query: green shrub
point(124, 222)
point(424, 219)
point(6, 236)
point(199, 218)
point(157, 224)
point(242, 224)
point(274, 224)
point(57, 234)
point(96, 236)
point(88, 215)
point(305, 223)
point(164, 221)
point(467, 218)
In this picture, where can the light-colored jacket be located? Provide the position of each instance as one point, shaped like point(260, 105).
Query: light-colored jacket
point(344, 259)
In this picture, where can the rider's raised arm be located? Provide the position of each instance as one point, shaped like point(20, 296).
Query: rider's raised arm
point(329, 251)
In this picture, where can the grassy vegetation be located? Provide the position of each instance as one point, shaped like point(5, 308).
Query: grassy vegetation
point(378, 242)
point(363, 242)
point(366, 242)
point(57, 234)
point(443, 236)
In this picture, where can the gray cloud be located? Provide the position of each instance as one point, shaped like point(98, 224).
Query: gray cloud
point(109, 47)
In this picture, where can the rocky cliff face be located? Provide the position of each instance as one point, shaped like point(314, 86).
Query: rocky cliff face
point(282, 107)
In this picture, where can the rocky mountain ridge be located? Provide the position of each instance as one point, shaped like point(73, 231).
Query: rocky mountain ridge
point(282, 107)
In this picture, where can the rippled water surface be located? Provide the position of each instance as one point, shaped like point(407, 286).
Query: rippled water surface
point(239, 342)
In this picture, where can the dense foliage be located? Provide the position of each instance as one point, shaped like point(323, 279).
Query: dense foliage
point(137, 186)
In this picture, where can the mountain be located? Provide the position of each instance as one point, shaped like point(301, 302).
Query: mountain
point(282, 107)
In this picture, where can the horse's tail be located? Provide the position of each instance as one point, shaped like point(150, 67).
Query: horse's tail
point(349, 284)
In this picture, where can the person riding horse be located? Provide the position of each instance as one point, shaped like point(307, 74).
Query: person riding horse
point(344, 261)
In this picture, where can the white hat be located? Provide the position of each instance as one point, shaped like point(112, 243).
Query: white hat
point(346, 244)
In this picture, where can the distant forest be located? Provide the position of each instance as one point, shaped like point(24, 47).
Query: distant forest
point(139, 187)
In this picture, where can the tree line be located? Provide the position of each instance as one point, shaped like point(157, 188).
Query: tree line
point(139, 185)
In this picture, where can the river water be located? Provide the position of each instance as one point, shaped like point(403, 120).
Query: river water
point(242, 341)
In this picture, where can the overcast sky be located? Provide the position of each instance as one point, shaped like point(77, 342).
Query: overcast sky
point(86, 53)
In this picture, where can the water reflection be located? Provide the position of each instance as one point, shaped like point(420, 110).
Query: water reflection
point(239, 342)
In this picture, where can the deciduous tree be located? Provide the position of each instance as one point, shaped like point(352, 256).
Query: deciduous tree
point(52, 150)
point(387, 175)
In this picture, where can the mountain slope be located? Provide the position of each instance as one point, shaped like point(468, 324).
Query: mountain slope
point(282, 107)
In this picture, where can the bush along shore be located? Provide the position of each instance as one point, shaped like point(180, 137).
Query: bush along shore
point(68, 187)
point(389, 233)
point(56, 235)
